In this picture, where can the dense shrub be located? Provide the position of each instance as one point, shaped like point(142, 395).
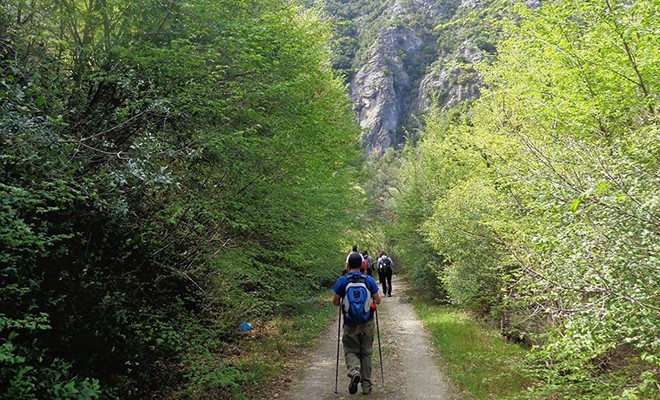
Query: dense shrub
point(164, 177)
point(543, 196)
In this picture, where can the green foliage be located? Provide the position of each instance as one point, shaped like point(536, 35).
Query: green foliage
point(412, 206)
point(249, 366)
point(583, 172)
point(448, 205)
point(164, 177)
point(543, 198)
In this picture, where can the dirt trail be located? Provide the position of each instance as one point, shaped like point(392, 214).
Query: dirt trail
point(409, 369)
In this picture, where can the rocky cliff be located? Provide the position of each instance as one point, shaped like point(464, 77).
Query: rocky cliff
point(451, 79)
point(381, 88)
point(402, 56)
point(385, 85)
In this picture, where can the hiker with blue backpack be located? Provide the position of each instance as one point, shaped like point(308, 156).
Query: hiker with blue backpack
point(385, 267)
point(357, 294)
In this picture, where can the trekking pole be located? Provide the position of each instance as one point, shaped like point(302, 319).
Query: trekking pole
point(338, 330)
point(380, 354)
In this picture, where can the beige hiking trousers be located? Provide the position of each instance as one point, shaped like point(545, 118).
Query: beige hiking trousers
point(358, 343)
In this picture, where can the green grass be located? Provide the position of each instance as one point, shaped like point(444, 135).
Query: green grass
point(278, 344)
point(477, 359)
point(251, 367)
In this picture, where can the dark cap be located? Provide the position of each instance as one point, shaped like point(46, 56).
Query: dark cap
point(355, 260)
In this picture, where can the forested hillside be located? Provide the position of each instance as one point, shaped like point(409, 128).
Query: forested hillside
point(536, 206)
point(400, 57)
point(169, 169)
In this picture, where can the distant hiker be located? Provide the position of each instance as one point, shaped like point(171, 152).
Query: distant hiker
point(367, 264)
point(385, 268)
point(353, 251)
point(357, 294)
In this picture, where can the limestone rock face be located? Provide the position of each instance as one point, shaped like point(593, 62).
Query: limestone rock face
point(389, 84)
point(451, 81)
point(470, 4)
point(473, 4)
point(380, 86)
point(399, 70)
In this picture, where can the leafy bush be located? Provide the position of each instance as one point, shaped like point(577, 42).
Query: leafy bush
point(543, 196)
point(164, 176)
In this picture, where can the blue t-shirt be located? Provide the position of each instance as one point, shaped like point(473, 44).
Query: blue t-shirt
point(340, 286)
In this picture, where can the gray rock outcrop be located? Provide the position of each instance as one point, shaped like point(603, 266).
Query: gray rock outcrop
point(451, 80)
point(399, 70)
point(379, 89)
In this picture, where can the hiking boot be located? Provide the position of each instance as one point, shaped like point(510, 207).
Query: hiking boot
point(355, 379)
point(366, 391)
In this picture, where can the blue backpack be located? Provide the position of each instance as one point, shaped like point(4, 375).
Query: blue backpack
point(357, 300)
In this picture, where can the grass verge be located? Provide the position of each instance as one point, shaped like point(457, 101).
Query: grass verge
point(478, 360)
point(257, 364)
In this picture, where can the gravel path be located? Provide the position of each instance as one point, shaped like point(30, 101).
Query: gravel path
point(409, 370)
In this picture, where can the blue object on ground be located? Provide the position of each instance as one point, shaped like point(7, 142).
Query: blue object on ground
point(245, 326)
